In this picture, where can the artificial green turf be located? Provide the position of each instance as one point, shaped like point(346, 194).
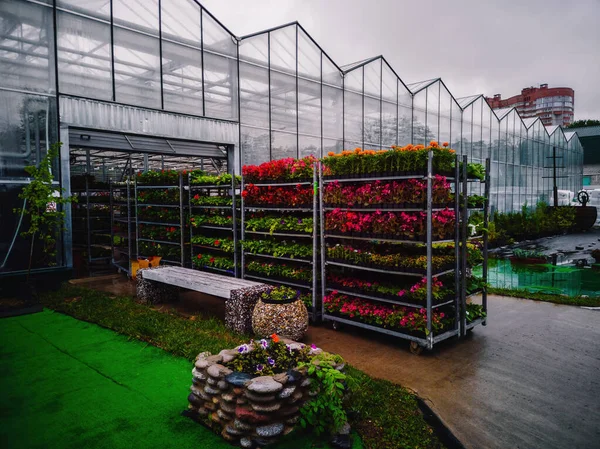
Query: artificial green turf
point(66, 383)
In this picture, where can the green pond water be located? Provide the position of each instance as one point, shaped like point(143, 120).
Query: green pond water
point(542, 278)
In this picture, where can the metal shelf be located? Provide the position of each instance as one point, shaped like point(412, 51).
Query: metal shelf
point(268, 256)
point(383, 209)
point(215, 186)
point(157, 205)
point(211, 248)
point(387, 300)
point(279, 209)
point(276, 281)
point(163, 242)
point(177, 225)
point(377, 239)
point(222, 270)
point(281, 184)
point(379, 270)
point(373, 179)
point(142, 186)
point(220, 228)
point(211, 207)
point(280, 234)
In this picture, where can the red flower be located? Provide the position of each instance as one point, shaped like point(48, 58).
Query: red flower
point(217, 242)
point(244, 194)
point(199, 256)
point(212, 260)
point(275, 338)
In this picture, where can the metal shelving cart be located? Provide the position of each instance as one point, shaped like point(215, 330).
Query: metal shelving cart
point(305, 211)
point(217, 232)
point(455, 304)
point(122, 213)
point(141, 209)
point(92, 224)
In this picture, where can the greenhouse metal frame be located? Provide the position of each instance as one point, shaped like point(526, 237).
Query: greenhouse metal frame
point(169, 68)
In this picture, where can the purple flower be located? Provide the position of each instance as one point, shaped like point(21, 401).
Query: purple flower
point(270, 361)
point(259, 367)
point(299, 220)
point(282, 222)
point(243, 349)
point(289, 348)
point(313, 346)
point(264, 343)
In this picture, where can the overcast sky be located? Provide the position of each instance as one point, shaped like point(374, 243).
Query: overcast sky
point(475, 46)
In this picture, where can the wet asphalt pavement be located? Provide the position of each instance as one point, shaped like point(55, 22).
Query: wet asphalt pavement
point(529, 379)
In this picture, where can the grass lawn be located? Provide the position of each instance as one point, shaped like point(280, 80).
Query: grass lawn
point(385, 415)
point(547, 297)
point(66, 383)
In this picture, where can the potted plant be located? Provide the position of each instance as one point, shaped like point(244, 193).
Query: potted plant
point(280, 311)
point(259, 391)
point(41, 209)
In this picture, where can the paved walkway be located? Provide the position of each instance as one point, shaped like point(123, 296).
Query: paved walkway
point(529, 379)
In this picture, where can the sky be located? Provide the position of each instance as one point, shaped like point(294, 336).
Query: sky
point(475, 46)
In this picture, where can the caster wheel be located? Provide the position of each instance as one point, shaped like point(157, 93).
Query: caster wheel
point(336, 326)
point(416, 348)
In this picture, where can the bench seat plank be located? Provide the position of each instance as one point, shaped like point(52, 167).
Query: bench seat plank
point(200, 281)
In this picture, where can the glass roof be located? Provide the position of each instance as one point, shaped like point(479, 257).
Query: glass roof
point(463, 102)
point(501, 113)
point(420, 85)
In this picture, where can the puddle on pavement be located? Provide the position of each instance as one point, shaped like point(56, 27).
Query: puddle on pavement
point(566, 278)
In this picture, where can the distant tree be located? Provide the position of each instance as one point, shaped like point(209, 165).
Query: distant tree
point(584, 123)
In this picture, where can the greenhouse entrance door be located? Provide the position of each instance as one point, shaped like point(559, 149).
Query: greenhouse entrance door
point(103, 216)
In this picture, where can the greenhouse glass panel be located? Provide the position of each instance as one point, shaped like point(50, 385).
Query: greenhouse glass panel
point(139, 15)
point(182, 79)
point(372, 123)
point(309, 146)
point(283, 102)
point(433, 111)
point(455, 123)
point(95, 8)
point(137, 68)
point(283, 49)
point(220, 86)
point(331, 74)
point(405, 118)
point(332, 146)
point(353, 81)
point(420, 132)
point(333, 120)
point(372, 74)
point(181, 22)
point(255, 145)
point(309, 57)
point(84, 56)
point(26, 66)
point(254, 91)
point(466, 145)
point(353, 117)
point(309, 107)
point(389, 124)
point(215, 38)
point(283, 145)
point(389, 84)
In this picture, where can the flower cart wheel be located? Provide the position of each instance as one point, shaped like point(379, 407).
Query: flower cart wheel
point(416, 348)
point(336, 326)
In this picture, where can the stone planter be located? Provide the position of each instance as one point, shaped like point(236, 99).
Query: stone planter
point(286, 319)
point(248, 411)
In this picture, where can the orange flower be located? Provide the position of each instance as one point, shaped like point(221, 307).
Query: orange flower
point(275, 338)
point(433, 143)
point(331, 153)
point(357, 150)
point(445, 144)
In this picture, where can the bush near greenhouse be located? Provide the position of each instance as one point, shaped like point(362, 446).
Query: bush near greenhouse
point(529, 223)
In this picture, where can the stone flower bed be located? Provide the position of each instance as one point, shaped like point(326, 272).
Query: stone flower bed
point(252, 394)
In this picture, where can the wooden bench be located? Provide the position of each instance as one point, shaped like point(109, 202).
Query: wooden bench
point(162, 284)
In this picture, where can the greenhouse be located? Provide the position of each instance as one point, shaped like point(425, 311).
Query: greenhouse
point(129, 86)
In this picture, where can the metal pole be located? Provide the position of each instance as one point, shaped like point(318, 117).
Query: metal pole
point(314, 258)
point(89, 221)
point(112, 218)
point(129, 233)
point(181, 220)
point(191, 227)
point(429, 246)
point(457, 273)
point(137, 225)
point(464, 239)
point(485, 236)
point(322, 232)
point(555, 188)
point(234, 215)
point(242, 224)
